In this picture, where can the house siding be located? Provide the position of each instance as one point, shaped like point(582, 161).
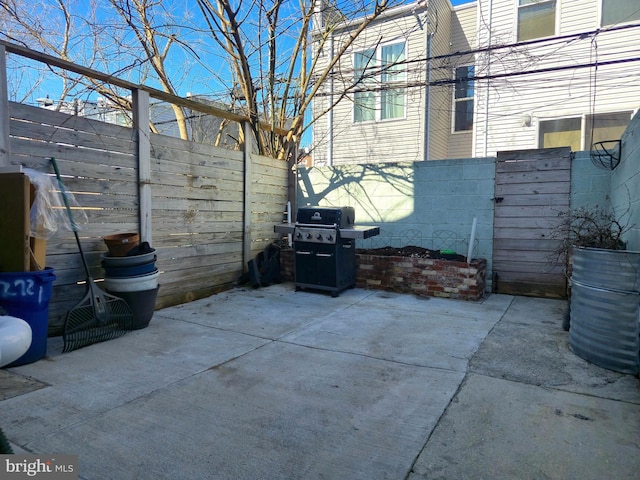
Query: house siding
point(578, 16)
point(440, 116)
point(463, 39)
point(572, 92)
point(388, 140)
point(539, 80)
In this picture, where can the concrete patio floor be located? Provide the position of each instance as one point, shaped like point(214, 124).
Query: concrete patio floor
point(278, 384)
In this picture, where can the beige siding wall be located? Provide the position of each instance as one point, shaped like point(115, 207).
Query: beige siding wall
point(572, 92)
point(463, 39)
point(440, 105)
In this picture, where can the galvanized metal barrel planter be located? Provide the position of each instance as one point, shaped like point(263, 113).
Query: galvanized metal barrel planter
point(605, 308)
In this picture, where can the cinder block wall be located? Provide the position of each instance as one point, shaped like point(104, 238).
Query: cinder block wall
point(432, 204)
point(429, 204)
point(625, 183)
point(589, 184)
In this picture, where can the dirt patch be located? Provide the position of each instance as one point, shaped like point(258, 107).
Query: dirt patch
point(412, 252)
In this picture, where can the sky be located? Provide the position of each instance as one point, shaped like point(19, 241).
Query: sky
point(193, 79)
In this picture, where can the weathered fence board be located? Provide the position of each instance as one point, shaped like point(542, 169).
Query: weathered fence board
point(197, 202)
point(65, 136)
point(531, 188)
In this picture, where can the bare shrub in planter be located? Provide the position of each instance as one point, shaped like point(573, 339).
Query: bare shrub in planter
point(593, 227)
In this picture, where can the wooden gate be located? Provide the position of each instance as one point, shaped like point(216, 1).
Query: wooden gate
point(531, 188)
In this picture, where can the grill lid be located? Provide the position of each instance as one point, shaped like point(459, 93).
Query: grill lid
point(343, 217)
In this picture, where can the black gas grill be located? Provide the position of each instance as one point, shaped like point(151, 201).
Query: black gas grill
point(324, 244)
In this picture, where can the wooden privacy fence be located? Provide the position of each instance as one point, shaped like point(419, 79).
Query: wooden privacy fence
point(205, 210)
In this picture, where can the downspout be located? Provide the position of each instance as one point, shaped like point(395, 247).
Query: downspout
point(427, 116)
point(486, 98)
point(330, 114)
point(424, 26)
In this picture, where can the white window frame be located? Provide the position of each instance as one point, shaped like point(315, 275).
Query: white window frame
point(357, 73)
point(579, 117)
point(517, 19)
point(601, 14)
point(379, 84)
point(585, 136)
point(462, 99)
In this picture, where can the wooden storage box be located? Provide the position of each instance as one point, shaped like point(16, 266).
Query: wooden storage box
point(18, 251)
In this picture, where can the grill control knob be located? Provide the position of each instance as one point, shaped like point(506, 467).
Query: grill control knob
point(309, 235)
point(298, 235)
point(319, 237)
point(330, 237)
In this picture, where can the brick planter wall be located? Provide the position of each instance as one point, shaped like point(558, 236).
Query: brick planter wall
point(418, 276)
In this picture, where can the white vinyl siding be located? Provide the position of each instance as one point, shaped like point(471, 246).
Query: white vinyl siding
point(550, 95)
point(389, 140)
point(510, 99)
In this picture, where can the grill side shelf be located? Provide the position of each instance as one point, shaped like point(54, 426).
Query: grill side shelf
point(359, 232)
point(285, 228)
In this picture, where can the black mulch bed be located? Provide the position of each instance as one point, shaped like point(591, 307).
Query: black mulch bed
point(413, 252)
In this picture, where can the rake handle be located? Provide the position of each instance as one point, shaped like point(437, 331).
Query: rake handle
point(74, 225)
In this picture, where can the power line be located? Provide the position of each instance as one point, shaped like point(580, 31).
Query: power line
point(547, 41)
point(581, 36)
point(436, 83)
point(540, 70)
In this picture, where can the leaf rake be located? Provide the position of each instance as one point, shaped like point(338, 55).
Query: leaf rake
point(99, 316)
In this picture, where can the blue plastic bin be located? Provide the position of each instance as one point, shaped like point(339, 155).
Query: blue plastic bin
point(26, 295)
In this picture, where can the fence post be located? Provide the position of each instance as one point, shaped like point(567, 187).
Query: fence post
point(141, 125)
point(247, 197)
point(5, 149)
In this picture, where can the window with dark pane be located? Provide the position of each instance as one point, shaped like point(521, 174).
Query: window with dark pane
point(463, 110)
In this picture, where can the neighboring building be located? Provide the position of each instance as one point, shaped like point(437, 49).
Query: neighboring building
point(384, 114)
point(436, 81)
point(101, 110)
point(201, 127)
point(572, 76)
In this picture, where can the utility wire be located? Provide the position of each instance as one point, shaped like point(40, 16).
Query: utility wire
point(549, 41)
point(448, 81)
point(491, 48)
point(539, 70)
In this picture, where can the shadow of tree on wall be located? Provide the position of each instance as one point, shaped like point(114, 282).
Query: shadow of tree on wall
point(426, 204)
point(357, 181)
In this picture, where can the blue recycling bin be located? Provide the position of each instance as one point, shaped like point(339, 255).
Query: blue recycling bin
point(26, 295)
